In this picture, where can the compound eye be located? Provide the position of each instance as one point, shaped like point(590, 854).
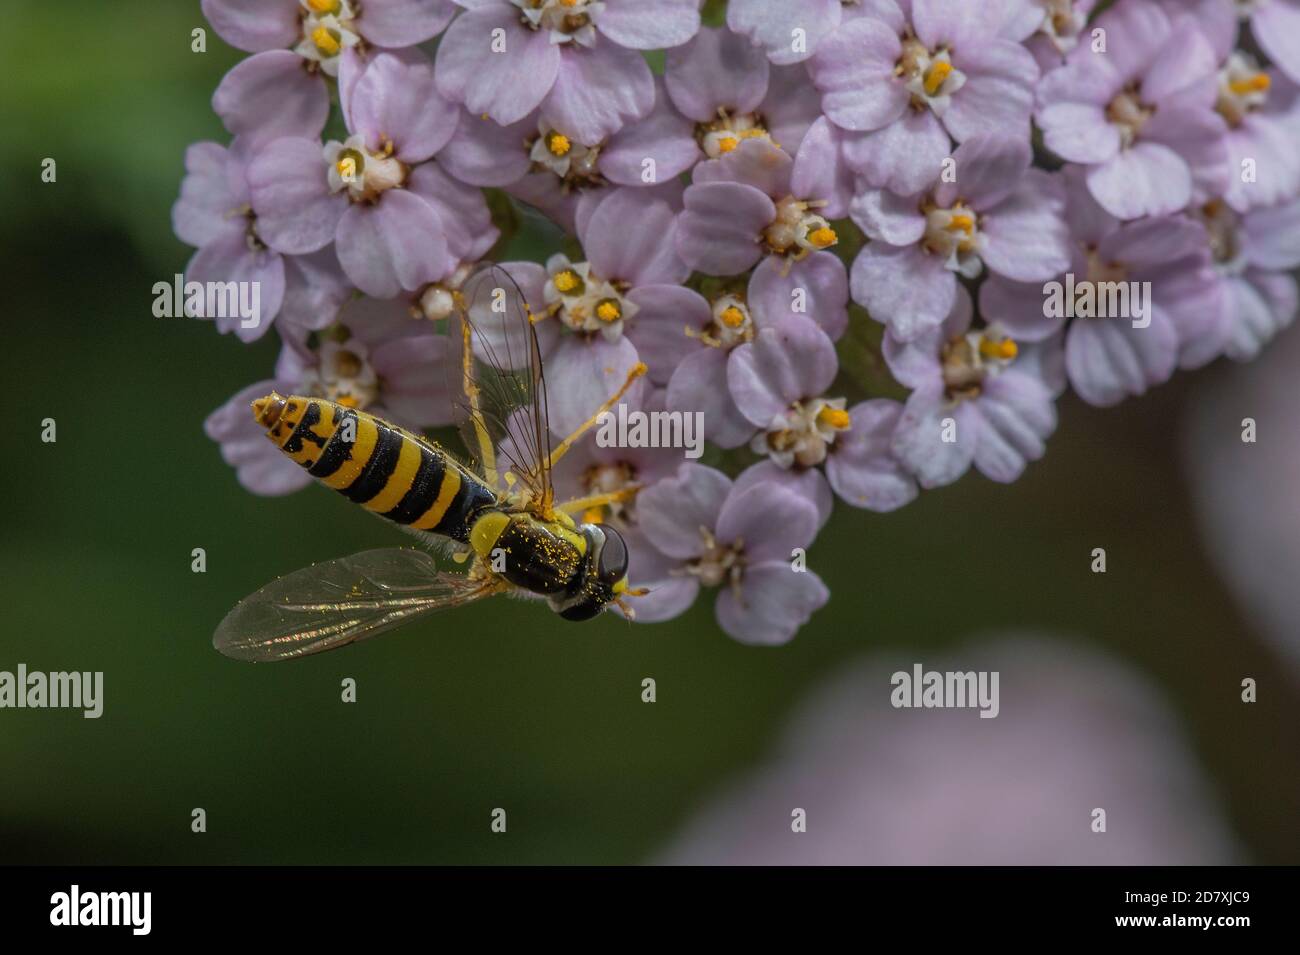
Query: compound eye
point(612, 566)
point(583, 611)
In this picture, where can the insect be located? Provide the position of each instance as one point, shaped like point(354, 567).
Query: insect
point(497, 511)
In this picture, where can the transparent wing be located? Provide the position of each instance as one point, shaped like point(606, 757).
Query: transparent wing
point(504, 419)
point(337, 602)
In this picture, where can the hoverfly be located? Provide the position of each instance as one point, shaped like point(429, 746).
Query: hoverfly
point(497, 511)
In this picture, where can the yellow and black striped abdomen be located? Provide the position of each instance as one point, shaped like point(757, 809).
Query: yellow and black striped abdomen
point(382, 467)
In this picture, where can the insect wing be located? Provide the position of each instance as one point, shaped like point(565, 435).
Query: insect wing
point(505, 422)
point(337, 602)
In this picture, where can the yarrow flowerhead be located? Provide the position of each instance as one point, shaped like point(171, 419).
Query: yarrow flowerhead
point(842, 250)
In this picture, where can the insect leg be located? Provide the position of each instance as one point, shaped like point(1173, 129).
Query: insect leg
point(580, 504)
point(636, 372)
point(487, 452)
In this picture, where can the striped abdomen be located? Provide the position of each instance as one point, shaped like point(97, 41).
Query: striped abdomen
point(378, 465)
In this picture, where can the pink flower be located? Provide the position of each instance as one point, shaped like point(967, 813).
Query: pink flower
point(880, 785)
point(901, 83)
point(708, 532)
point(578, 62)
point(1140, 114)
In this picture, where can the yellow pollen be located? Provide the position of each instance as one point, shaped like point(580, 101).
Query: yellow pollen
point(325, 42)
point(566, 281)
point(823, 238)
point(963, 222)
point(608, 311)
point(727, 143)
point(347, 401)
point(593, 515)
point(1005, 349)
point(347, 167)
point(836, 418)
point(324, 6)
point(732, 317)
point(569, 3)
point(558, 144)
point(1251, 84)
point(935, 75)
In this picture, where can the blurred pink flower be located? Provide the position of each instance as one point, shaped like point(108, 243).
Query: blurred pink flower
point(1076, 731)
point(1244, 492)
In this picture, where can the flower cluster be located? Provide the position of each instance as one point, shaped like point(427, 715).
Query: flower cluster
point(998, 200)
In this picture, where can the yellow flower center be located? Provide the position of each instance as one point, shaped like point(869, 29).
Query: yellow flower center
point(349, 165)
point(568, 282)
point(608, 310)
point(558, 144)
point(934, 76)
point(323, 6)
point(1004, 350)
point(823, 238)
point(1258, 83)
point(327, 41)
point(962, 222)
point(727, 143)
point(836, 418)
point(732, 317)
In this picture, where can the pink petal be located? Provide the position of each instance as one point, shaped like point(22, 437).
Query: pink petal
point(396, 99)
point(699, 384)
point(296, 211)
point(854, 69)
point(229, 259)
point(394, 245)
point(507, 85)
point(466, 219)
point(770, 520)
point(254, 25)
point(775, 602)
point(399, 23)
point(773, 25)
point(205, 206)
point(639, 256)
point(717, 69)
point(485, 153)
point(642, 25)
point(998, 96)
point(664, 313)
point(862, 468)
point(271, 94)
point(905, 156)
point(1145, 180)
point(719, 230)
point(598, 91)
point(816, 286)
point(592, 371)
point(905, 288)
point(672, 511)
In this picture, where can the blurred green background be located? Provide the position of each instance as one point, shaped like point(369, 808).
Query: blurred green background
point(499, 705)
